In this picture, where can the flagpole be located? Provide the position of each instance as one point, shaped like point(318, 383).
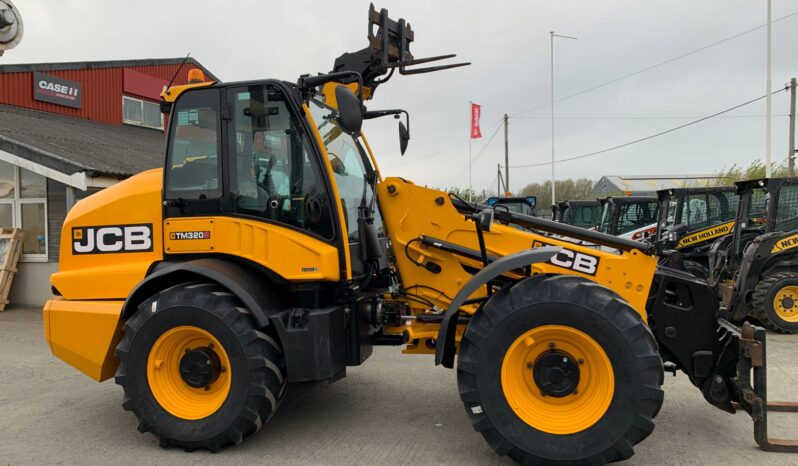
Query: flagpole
point(470, 124)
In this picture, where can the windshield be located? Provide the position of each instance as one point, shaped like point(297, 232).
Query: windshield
point(354, 178)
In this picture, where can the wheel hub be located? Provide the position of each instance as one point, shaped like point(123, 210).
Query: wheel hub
point(200, 367)
point(556, 374)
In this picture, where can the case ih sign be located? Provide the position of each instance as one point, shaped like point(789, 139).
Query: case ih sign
point(54, 90)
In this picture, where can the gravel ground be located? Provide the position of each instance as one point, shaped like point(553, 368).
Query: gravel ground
point(394, 409)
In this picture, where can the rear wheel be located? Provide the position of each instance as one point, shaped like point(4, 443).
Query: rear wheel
point(560, 369)
point(196, 371)
point(775, 302)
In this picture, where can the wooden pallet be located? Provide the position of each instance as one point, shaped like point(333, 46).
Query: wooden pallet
point(10, 250)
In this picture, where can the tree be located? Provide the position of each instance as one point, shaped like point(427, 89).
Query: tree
point(755, 170)
point(566, 190)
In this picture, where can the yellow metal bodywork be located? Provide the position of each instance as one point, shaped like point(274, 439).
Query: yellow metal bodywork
point(293, 255)
point(136, 200)
point(410, 211)
point(572, 413)
point(84, 334)
point(170, 95)
point(785, 244)
point(706, 234)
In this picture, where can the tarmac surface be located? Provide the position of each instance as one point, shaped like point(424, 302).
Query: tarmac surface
point(394, 409)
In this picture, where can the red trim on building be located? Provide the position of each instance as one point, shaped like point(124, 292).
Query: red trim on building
point(102, 89)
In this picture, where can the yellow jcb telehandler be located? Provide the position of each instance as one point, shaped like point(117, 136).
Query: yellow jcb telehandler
point(271, 250)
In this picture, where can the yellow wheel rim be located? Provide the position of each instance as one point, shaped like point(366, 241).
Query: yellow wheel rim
point(785, 303)
point(168, 386)
point(574, 412)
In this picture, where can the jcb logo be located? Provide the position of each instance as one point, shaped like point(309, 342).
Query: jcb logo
point(112, 238)
point(573, 260)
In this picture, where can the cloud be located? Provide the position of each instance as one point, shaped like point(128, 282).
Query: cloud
point(508, 44)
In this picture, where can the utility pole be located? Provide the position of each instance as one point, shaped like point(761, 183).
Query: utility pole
point(553, 35)
point(768, 107)
point(791, 154)
point(506, 157)
point(499, 181)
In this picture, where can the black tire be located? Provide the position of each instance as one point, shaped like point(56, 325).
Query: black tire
point(763, 297)
point(257, 381)
point(592, 309)
point(698, 269)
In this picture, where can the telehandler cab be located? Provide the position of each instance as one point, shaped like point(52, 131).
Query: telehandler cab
point(755, 268)
point(270, 250)
point(691, 219)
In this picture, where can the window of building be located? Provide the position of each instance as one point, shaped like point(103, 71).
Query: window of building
point(141, 113)
point(23, 204)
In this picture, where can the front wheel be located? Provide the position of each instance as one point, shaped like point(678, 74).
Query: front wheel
point(560, 369)
point(196, 371)
point(775, 302)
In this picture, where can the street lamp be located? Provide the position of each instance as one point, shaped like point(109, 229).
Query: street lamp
point(552, 36)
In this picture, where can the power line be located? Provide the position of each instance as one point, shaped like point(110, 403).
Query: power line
point(479, 154)
point(640, 117)
point(643, 70)
point(598, 86)
point(429, 156)
point(651, 136)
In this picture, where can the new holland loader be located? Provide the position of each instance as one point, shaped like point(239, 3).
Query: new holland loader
point(270, 249)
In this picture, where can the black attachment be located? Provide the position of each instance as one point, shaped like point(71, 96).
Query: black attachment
point(754, 398)
point(307, 82)
point(389, 49)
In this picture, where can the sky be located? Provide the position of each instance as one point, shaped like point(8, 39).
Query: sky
point(508, 44)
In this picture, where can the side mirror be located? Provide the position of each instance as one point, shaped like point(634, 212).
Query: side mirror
point(350, 111)
point(404, 137)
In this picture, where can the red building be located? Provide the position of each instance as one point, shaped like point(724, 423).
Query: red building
point(67, 130)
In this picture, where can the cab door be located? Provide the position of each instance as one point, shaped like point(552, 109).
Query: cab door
point(244, 179)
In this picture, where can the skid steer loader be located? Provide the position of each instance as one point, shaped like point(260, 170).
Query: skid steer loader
point(754, 268)
point(634, 217)
point(584, 214)
point(691, 219)
point(270, 249)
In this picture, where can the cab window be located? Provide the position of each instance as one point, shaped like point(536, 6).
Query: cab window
point(193, 165)
point(353, 175)
point(274, 173)
point(632, 216)
point(787, 208)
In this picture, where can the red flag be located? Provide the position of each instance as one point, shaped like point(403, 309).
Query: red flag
point(475, 132)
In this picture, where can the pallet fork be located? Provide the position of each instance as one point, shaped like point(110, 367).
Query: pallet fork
point(753, 390)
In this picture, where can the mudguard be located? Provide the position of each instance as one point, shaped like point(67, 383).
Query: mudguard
point(240, 279)
point(446, 349)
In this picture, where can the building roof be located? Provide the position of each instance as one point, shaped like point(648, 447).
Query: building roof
point(88, 65)
point(651, 184)
point(72, 145)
